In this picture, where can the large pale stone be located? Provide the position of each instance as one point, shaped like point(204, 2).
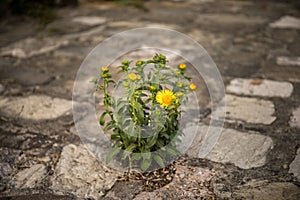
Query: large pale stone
point(90, 20)
point(35, 107)
point(283, 60)
point(295, 118)
point(295, 166)
point(251, 110)
point(260, 190)
point(286, 22)
point(243, 149)
point(30, 177)
point(258, 87)
point(80, 173)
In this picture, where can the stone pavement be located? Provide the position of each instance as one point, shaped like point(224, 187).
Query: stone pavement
point(256, 47)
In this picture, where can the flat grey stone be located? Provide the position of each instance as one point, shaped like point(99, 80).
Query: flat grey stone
point(90, 20)
point(283, 60)
point(260, 87)
point(80, 173)
point(261, 190)
point(37, 107)
point(30, 177)
point(295, 118)
point(244, 149)
point(251, 110)
point(230, 19)
point(286, 22)
point(32, 77)
point(295, 166)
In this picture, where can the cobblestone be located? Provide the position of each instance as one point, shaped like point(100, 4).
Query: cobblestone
point(250, 110)
point(79, 173)
point(295, 166)
point(35, 107)
point(283, 60)
point(259, 87)
point(30, 177)
point(286, 22)
point(243, 149)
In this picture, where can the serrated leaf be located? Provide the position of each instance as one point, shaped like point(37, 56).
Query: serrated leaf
point(159, 160)
point(114, 151)
point(145, 164)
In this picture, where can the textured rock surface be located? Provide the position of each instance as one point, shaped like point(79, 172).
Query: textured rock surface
point(251, 110)
point(30, 177)
point(283, 60)
point(259, 87)
point(79, 173)
point(264, 191)
point(35, 107)
point(295, 166)
point(286, 22)
point(243, 149)
point(90, 20)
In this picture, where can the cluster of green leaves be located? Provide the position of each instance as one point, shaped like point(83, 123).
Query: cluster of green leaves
point(144, 132)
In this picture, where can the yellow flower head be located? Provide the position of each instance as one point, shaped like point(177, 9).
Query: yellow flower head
point(165, 98)
point(182, 66)
point(133, 76)
point(193, 86)
point(104, 69)
point(139, 63)
point(179, 84)
point(152, 87)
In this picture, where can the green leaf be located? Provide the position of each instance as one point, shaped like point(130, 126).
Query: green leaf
point(146, 155)
point(145, 164)
point(114, 151)
point(152, 140)
point(136, 156)
point(172, 151)
point(159, 160)
point(102, 118)
point(129, 150)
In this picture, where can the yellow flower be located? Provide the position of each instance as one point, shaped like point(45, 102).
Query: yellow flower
point(165, 98)
point(139, 63)
point(182, 66)
point(179, 84)
point(152, 87)
point(133, 76)
point(104, 69)
point(193, 86)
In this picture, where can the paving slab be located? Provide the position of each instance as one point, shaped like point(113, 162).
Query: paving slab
point(30, 177)
point(295, 166)
point(284, 60)
point(79, 173)
point(260, 190)
point(250, 110)
point(35, 107)
point(286, 22)
point(260, 87)
point(244, 149)
point(90, 20)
